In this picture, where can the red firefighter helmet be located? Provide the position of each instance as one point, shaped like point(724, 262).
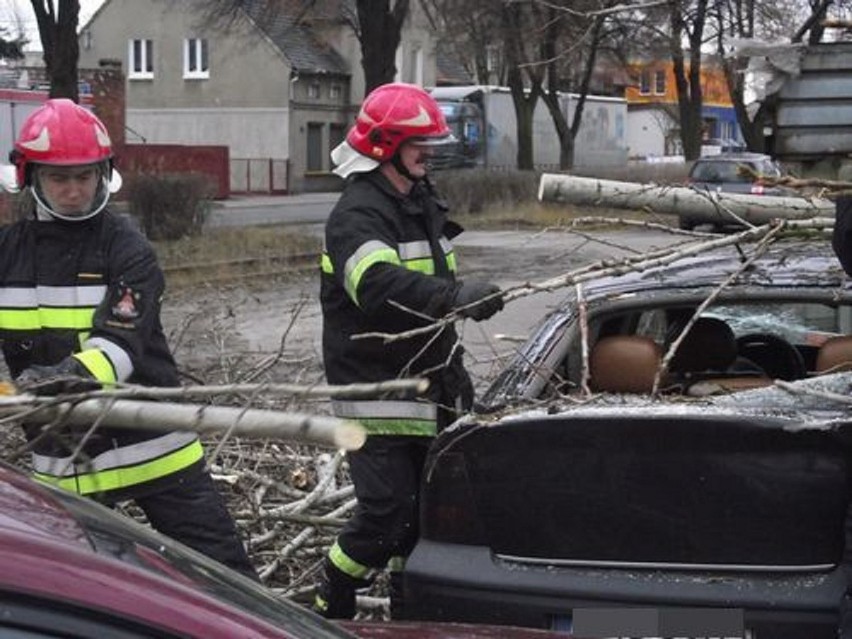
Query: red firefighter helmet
point(60, 133)
point(395, 113)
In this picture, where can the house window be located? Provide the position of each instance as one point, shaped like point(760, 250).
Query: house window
point(140, 59)
point(314, 90)
point(645, 82)
point(195, 59)
point(315, 153)
point(334, 92)
point(660, 82)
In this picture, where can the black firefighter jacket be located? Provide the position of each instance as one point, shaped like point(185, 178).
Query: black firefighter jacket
point(389, 267)
point(92, 290)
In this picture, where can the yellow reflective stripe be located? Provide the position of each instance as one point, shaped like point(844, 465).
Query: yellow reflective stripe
point(36, 318)
point(354, 279)
point(451, 261)
point(423, 265)
point(417, 427)
point(346, 564)
point(325, 264)
point(396, 563)
point(82, 337)
point(114, 478)
point(98, 365)
point(320, 603)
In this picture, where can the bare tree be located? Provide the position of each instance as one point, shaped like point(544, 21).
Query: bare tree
point(687, 20)
point(573, 34)
point(13, 39)
point(57, 29)
point(768, 20)
point(521, 34)
point(470, 30)
point(10, 49)
point(380, 24)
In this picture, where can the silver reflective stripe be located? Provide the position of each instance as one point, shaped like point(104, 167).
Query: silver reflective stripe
point(446, 245)
point(68, 296)
point(115, 458)
point(119, 357)
point(414, 250)
point(363, 251)
point(378, 409)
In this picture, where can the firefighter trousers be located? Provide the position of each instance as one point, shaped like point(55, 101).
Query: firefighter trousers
point(193, 512)
point(386, 472)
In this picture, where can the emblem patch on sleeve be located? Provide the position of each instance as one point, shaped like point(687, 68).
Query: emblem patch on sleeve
point(126, 304)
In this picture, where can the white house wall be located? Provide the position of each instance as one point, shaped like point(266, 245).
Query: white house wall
point(245, 69)
point(250, 133)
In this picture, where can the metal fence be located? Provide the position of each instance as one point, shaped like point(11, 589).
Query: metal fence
point(260, 175)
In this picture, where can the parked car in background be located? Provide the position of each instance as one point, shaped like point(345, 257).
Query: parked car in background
point(731, 173)
point(71, 568)
point(721, 501)
point(713, 146)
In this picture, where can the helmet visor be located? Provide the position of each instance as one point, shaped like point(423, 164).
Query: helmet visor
point(449, 138)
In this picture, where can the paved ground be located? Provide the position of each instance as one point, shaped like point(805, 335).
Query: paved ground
point(242, 210)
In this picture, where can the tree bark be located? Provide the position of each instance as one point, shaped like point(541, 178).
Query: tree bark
point(379, 35)
point(58, 33)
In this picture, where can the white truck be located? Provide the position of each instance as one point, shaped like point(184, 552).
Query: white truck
point(483, 121)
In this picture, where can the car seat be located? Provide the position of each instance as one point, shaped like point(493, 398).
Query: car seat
point(624, 364)
point(835, 355)
point(710, 345)
point(707, 363)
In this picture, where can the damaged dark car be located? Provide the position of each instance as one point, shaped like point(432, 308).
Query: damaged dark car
point(665, 456)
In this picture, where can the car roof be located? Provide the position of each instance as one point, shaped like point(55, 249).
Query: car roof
point(734, 156)
point(784, 265)
point(794, 271)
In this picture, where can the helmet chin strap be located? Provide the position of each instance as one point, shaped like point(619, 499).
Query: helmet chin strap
point(396, 160)
point(97, 205)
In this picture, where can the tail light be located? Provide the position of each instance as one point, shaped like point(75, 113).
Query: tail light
point(447, 508)
point(758, 189)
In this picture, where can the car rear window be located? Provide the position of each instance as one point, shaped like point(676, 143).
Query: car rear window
point(718, 172)
point(717, 491)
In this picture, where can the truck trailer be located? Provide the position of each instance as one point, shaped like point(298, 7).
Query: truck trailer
point(483, 122)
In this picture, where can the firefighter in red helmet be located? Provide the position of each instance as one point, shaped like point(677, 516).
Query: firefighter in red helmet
point(389, 266)
point(80, 293)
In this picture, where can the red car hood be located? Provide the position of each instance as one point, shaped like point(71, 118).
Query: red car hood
point(436, 630)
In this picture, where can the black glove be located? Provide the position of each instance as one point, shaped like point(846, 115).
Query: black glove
point(68, 376)
point(473, 291)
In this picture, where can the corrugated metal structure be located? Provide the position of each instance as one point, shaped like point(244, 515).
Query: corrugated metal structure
point(813, 115)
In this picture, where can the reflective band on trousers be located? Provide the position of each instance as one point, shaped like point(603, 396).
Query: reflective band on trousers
point(390, 417)
point(345, 564)
point(121, 467)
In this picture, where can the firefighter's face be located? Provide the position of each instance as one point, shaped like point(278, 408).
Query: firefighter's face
point(415, 157)
point(69, 190)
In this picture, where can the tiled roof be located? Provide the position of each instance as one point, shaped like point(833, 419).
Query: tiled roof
point(296, 40)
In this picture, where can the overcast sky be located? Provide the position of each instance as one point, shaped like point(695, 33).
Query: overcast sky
point(13, 10)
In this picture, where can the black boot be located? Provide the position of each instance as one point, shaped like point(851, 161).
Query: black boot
point(335, 597)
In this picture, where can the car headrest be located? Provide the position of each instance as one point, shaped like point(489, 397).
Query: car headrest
point(835, 355)
point(710, 345)
point(624, 364)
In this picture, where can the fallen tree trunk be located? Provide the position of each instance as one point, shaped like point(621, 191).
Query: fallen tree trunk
point(199, 418)
point(715, 207)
